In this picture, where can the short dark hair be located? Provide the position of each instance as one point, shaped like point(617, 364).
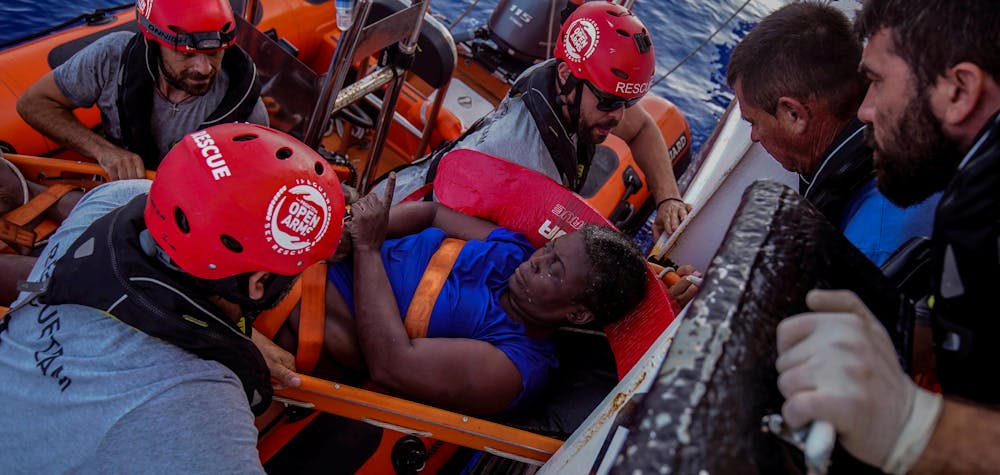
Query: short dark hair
point(934, 35)
point(617, 280)
point(802, 50)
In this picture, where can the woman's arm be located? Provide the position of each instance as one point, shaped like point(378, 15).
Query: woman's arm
point(410, 218)
point(459, 374)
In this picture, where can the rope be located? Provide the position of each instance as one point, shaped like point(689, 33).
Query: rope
point(20, 178)
point(460, 17)
point(702, 45)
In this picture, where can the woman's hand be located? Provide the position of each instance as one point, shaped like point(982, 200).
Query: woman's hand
point(370, 218)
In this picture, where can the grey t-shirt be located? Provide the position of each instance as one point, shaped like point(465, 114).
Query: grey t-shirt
point(85, 393)
point(509, 132)
point(91, 77)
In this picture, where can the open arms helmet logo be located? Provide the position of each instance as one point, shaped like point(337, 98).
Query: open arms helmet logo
point(297, 218)
point(581, 39)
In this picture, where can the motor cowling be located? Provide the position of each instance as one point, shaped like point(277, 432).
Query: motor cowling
point(526, 29)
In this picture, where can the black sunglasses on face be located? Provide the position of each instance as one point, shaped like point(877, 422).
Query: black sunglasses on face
point(609, 103)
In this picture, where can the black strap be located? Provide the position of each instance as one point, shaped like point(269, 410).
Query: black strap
point(537, 90)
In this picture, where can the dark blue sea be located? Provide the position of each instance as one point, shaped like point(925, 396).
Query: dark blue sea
point(692, 39)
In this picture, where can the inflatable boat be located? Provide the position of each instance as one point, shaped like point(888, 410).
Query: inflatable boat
point(339, 92)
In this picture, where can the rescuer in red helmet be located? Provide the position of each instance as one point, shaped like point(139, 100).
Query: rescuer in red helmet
point(557, 111)
point(180, 73)
point(134, 351)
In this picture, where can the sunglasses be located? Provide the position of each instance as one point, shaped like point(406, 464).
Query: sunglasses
point(609, 103)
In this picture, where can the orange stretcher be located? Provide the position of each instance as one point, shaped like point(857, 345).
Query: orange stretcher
point(542, 210)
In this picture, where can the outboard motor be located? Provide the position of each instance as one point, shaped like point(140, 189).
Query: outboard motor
point(520, 29)
point(515, 36)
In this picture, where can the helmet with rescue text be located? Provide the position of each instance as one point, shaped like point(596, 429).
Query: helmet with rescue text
point(240, 198)
point(605, 45)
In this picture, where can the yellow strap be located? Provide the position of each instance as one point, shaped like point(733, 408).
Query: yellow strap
point(309, 292)
point(16, 234)
point(418, 316)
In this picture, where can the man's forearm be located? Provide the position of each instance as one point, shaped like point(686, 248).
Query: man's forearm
point(651, 154)
point(59, 124)
point(964, 441)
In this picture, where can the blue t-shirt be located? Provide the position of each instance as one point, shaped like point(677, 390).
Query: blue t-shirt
point(469, 303)
point(877, 227)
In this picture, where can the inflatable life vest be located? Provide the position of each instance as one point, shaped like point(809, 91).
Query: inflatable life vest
point(535, 89)
point(136, 90)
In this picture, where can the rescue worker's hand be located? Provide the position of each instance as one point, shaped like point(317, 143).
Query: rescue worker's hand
point(280, 362)
point(685, 289)
point(837, 364)
point(669, 215)
point(121, 164)
point(370, 218)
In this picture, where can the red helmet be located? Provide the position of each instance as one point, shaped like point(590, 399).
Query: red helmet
point(192, 26)
point(605, 44)
point(237, 198)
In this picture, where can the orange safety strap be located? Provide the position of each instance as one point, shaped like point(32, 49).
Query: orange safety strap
point(269, 321)
point(418, 315)
point(312, 318)
point(16, 234)
point(310, 292)
point(12, 225)
point(37, 205)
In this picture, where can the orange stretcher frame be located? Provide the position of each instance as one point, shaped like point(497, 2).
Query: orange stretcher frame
point(420, 420)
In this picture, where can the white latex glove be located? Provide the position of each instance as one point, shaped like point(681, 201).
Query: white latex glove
point(837, 364)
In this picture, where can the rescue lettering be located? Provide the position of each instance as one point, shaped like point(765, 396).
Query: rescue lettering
point(567, 216)
point(210, 152)
point(631, 88)
point(550, 231)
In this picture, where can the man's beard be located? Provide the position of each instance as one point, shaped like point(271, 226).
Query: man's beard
point(179, 81)
point(587, 134)
point(918, 159)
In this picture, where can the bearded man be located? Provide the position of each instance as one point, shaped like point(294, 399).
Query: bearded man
point(179, 74)
point(934, 113)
